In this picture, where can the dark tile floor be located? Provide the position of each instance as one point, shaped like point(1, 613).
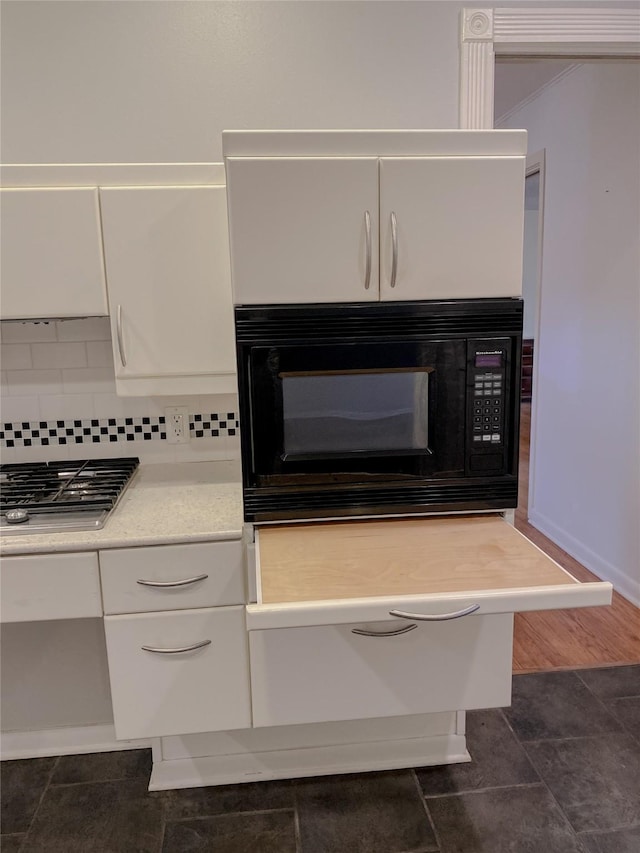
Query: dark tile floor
point(557, 772)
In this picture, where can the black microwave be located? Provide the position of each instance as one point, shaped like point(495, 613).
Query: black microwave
point(371, 409)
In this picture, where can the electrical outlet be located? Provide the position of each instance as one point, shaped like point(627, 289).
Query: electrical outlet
point(177, 423)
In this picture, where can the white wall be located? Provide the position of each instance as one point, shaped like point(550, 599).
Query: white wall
point(159, 81)
point(586, 471)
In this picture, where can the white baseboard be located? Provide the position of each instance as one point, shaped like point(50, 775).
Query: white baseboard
point(622, 583)
point(72, 740)
point(317, 761)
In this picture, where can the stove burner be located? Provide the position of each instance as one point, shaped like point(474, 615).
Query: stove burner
point(16, 516)
point(61, 495)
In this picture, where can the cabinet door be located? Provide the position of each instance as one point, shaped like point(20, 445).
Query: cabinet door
point(303, 229)
point(458, 227)
point(167, 259)
point(52, 264)
point(165, 682)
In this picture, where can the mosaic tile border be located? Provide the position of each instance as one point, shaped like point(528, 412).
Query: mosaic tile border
point(99, 430)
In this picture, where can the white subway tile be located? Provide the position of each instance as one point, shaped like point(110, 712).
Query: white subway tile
point(22, 383)
point(63, 407)
point(99, 354)
point(203, 450)
point(59, 355)
point(157, 405)
point(13, 409)
point(219, 403)
point(27, 332)
point(112, 406)
point(89, 380)
point(97, 450)
point(150, 452)
point(49, 453)
point(86, 329)
point(15, 356)
point(233, 445)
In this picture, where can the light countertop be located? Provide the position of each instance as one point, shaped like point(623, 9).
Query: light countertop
point(164, 504)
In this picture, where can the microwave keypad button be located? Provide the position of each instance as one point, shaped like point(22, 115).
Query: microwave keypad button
point(495, 437)
point(477, 438)
point(486, 438)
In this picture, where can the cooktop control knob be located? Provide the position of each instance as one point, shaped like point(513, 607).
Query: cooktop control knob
point(16, 516)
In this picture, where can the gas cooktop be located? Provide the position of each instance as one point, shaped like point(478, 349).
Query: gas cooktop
point(55, 497)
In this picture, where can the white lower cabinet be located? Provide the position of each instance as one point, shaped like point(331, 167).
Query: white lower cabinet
point(360, 619)
point(165, 680)
point(312, 675)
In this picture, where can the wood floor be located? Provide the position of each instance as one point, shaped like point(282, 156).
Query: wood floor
point(568, 639)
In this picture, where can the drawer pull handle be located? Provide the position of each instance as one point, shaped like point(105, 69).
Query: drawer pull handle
point(192, 648)
point(441, 617)
point(367, 232)
point(168, 584)
point(394, 246)
point(404, 630)
point(123, 359)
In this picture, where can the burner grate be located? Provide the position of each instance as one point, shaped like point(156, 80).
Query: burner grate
point(62, 487)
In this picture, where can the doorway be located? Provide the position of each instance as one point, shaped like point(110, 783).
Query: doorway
point(586, 32)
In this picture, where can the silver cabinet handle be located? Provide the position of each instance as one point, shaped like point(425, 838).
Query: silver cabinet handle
point(367, 234)
point(180, 651)
point(168, 584)
point(394, 249)
point(441, 617)
point(404, 630)
point(123, 360)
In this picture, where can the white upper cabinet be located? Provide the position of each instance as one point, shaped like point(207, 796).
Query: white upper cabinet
point(304, 229)
point(454, 226)
point(167, 260)
point(52, 263)
point(358, 216)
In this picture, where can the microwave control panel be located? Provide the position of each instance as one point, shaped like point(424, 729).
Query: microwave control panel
point(488, 399)
point(488, 392)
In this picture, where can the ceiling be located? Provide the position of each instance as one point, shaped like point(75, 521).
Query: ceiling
point(517, 79)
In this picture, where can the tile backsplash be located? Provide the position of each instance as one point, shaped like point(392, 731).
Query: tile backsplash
point(58, 401)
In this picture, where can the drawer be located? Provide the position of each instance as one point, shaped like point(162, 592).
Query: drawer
point(405, 571)
point(183, 686)
point(309, 675)
point(172, 577)
point(40, 587)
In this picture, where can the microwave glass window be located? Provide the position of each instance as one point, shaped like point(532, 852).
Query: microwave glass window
point(354, 411)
